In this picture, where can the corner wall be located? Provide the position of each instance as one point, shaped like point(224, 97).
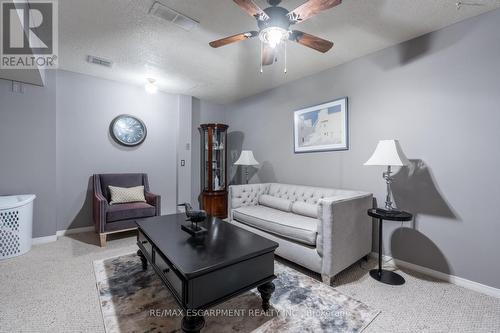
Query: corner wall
point(437, 94)
point(28, 148)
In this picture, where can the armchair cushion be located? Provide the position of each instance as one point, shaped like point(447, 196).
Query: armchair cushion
point(127, 211)
point(126, 194)
point(121, 180)
point(288, 225)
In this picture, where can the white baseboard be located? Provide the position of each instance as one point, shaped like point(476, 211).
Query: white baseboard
point(74, 231)
point(43, 240)
point(60, 233)
point(476, 286)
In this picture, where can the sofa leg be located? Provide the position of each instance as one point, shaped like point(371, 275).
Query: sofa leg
point(102, 239)
point(329, 280)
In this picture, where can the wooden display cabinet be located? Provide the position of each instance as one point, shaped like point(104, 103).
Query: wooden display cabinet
point(214, 169)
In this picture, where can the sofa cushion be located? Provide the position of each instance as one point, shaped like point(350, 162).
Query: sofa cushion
point(274, 202)
point(128, 211)
point(288, 225)
point(303, 208)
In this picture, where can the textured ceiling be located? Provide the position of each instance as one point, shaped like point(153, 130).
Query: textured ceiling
point(141, 45)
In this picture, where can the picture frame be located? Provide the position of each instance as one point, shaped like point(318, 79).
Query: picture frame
point(323, 127)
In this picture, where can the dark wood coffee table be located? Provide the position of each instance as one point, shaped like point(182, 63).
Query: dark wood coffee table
point(204, 271)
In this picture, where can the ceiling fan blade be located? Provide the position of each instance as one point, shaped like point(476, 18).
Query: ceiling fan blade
point(252, 9)
point(319, 44)
point(268, 55)
point(233, 39)
point(311, 8)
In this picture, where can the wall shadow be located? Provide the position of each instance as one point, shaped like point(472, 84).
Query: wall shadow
point(84, 216)
point(415, 190)
point(235, 145)
point(412, 246)
point(420, 47)
point(266, 173)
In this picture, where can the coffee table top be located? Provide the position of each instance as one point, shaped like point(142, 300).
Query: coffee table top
point(223, 244)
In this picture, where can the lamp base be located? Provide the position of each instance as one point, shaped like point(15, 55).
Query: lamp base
point(388, 211)
point(387, 277)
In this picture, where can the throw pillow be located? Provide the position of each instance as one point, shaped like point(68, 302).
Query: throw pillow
point(306, 209)
point(274, 202)
point(126, 195)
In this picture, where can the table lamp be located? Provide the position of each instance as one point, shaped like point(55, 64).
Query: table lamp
point(246, 159)
point(388, 153)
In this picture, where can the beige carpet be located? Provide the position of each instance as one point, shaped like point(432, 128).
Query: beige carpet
point(52, 289)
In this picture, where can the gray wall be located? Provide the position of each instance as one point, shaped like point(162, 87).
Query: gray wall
point(203, 112)
point(439, 95)
point(85, 108)
point(28, 150)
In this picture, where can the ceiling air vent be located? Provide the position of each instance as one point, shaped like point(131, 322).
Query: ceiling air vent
point(160, 10)
point(99, 61)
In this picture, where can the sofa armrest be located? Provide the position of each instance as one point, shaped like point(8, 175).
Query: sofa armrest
point(154, 200)
point(99, 208)
point(344, 233)
point(245, 195)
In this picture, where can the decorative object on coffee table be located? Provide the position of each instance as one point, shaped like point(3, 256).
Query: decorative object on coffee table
point(388, 153)
point(197, 271)
point(193, 216)
point(382, 275)
point(214, 169)
point(246, 159)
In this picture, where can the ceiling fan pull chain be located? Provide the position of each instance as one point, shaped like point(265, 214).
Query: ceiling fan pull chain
point(286, 57)
point(261, 56)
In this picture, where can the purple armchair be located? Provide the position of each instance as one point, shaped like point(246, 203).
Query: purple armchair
point(109, 219)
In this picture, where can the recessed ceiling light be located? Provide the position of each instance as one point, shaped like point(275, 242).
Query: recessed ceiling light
point(151, 87)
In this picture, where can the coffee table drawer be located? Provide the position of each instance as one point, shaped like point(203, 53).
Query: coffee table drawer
point(146, 244)
point(169, 273)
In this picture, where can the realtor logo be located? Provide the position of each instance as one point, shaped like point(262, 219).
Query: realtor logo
point(29, 34)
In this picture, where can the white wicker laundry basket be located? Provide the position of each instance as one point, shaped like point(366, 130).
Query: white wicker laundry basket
point(16, 220)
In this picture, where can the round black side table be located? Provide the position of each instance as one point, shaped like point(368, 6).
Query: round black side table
point(380, 274)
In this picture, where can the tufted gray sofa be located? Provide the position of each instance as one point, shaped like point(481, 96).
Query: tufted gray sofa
point(324, 230)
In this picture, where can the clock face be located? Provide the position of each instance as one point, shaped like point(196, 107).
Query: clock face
point(128, 130)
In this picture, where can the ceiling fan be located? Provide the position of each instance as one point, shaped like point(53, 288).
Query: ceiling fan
point(274, 25)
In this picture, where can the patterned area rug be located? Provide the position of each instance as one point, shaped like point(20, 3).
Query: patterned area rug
point(133, 300)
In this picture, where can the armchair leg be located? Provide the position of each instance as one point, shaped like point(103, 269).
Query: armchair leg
point(329, 280)
point(102, 239)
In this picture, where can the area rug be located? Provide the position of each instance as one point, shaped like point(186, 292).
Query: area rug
point(133, 300)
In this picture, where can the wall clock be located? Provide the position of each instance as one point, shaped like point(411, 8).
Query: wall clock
point(128, 130)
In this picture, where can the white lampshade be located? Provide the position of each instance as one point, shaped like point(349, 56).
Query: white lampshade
point(246, 158)
point(388, 152)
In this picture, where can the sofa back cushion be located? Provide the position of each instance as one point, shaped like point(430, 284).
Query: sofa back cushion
point(307, 194)
point(122, 180)
point(276, 203)
point(305, 209)
point(247, 195)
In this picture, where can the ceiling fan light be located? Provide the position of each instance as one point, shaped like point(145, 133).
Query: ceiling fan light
point(273, 36)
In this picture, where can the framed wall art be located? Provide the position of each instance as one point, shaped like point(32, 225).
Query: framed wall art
point(322, 127)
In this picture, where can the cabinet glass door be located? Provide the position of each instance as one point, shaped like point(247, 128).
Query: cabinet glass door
point(213, 157)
